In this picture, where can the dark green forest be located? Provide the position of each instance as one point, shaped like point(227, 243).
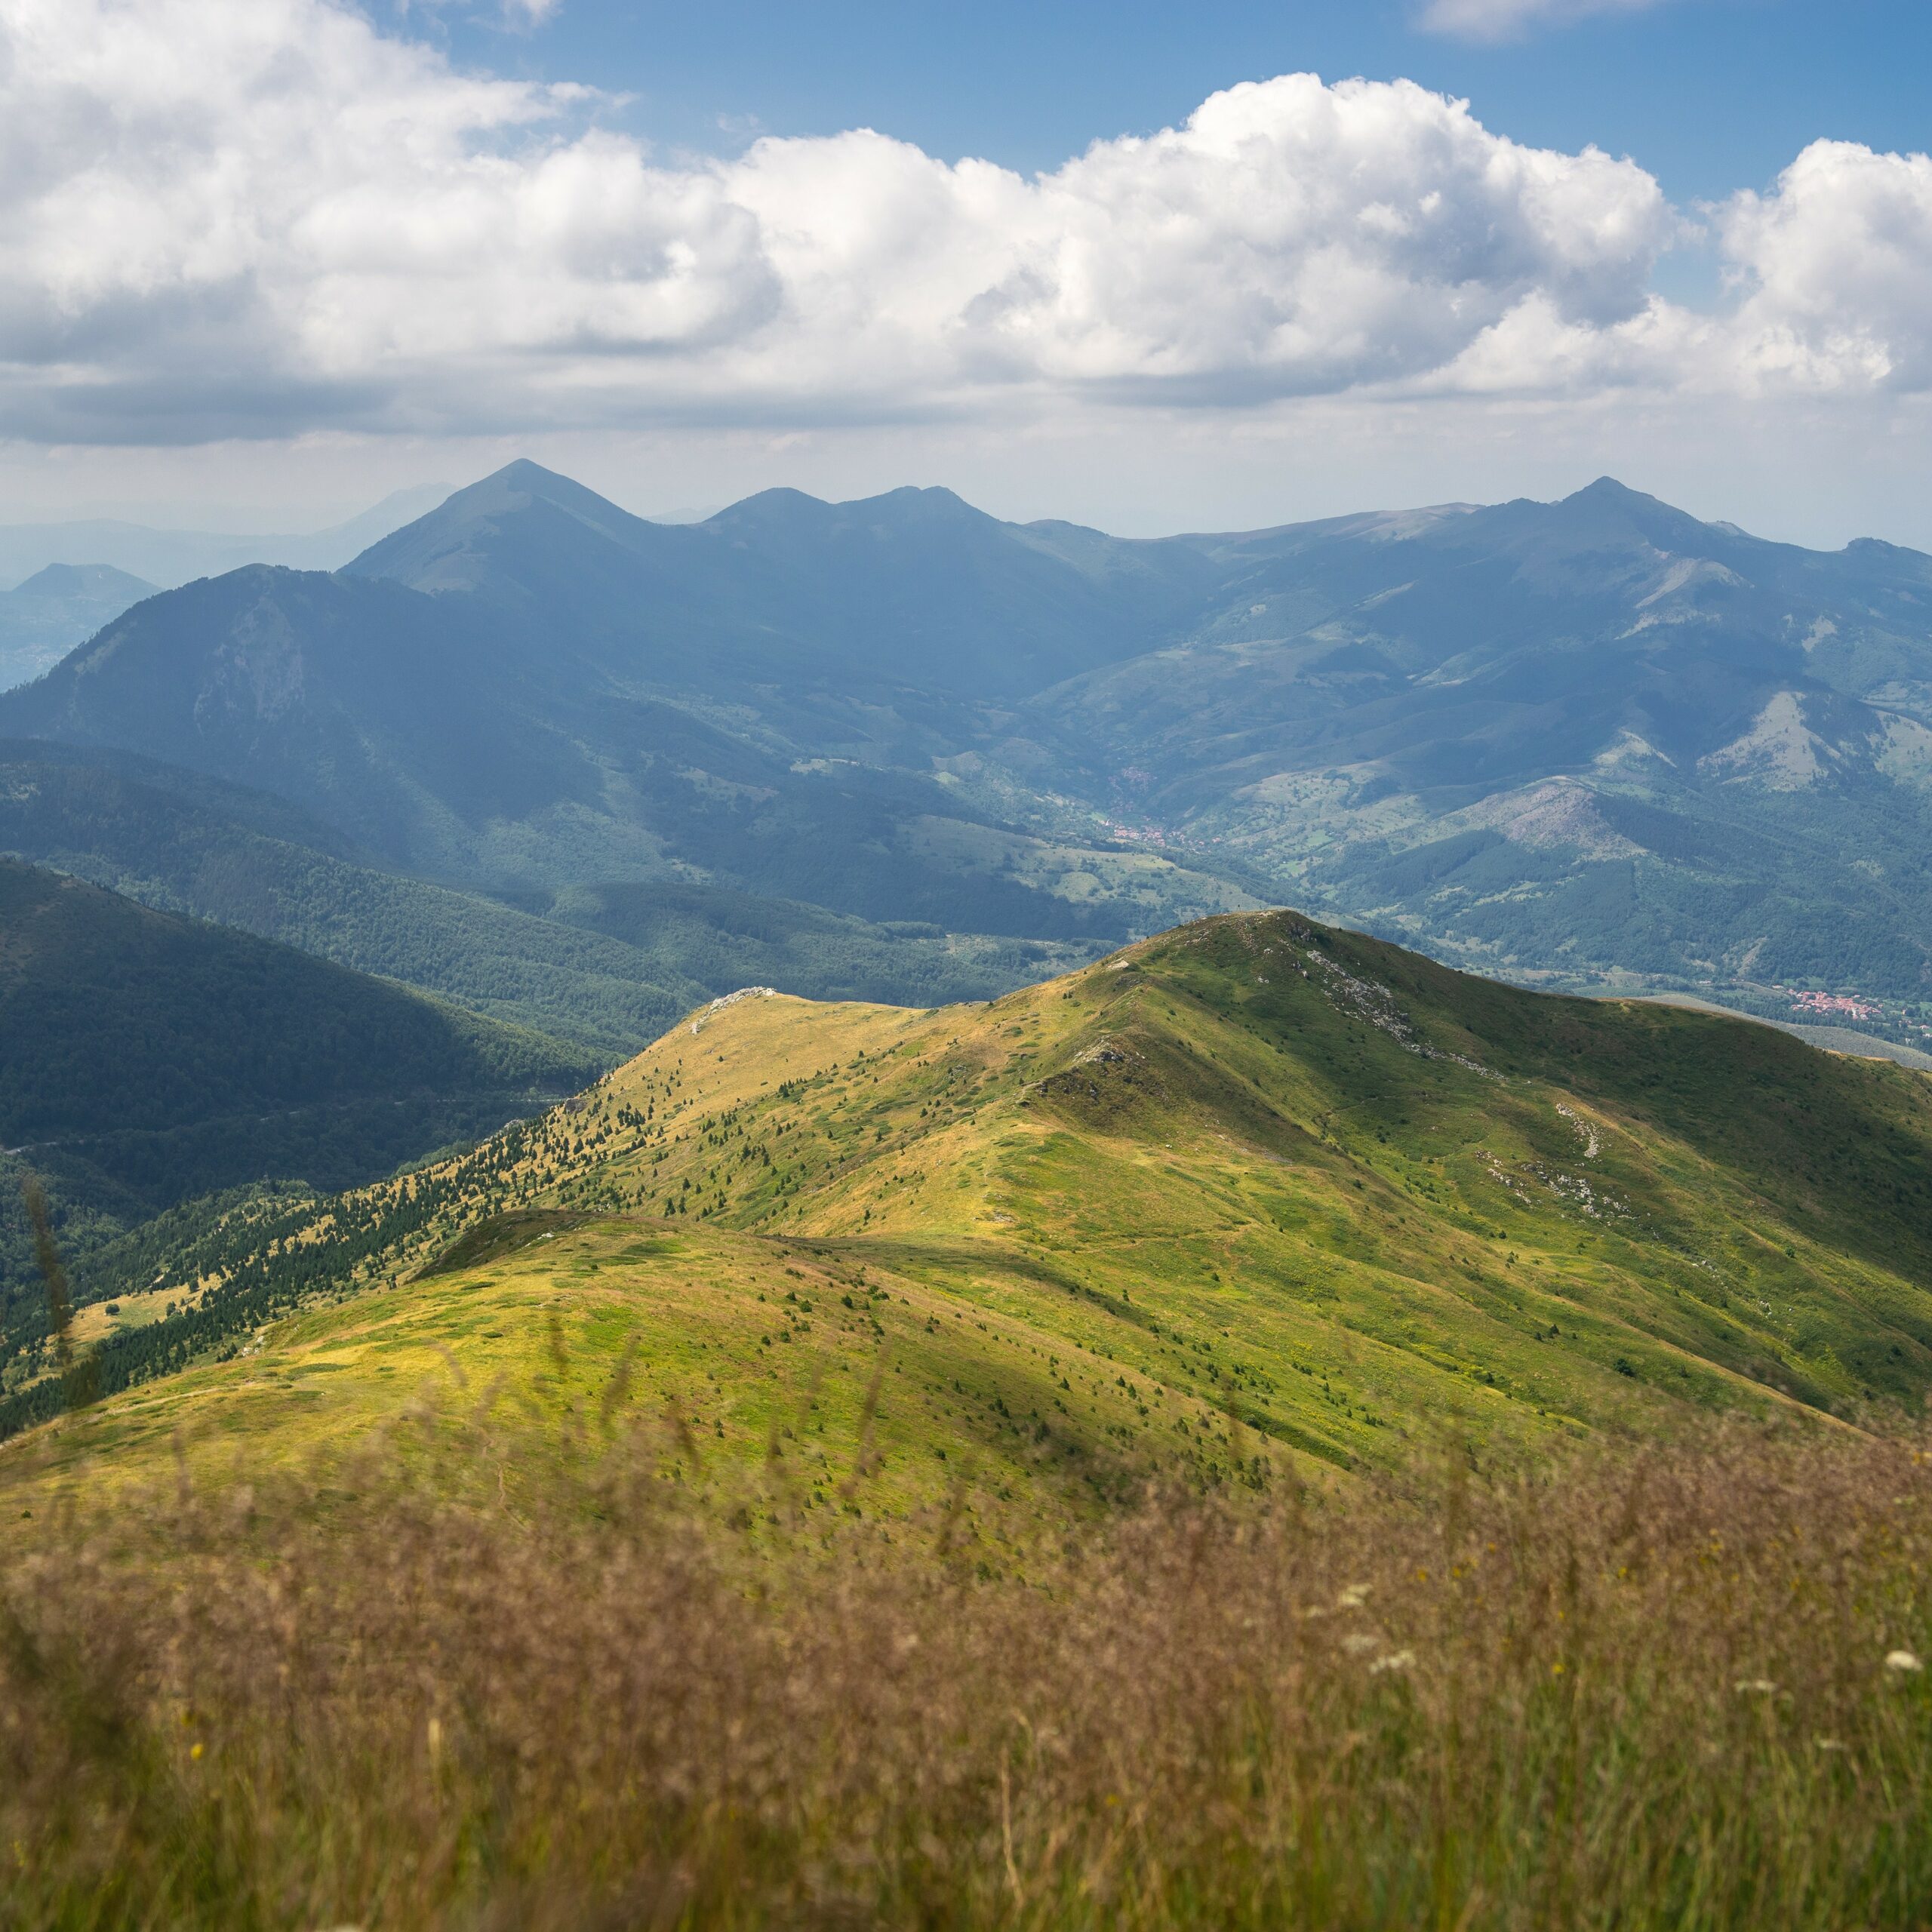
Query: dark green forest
point(146, 1058)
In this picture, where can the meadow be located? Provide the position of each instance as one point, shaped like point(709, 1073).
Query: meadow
point(468, 1675)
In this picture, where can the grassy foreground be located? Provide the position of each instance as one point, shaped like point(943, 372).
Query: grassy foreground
point(1262, 1431)
point(1643, 1688)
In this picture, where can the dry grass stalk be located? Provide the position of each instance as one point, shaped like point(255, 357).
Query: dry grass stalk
point(1648, 1688)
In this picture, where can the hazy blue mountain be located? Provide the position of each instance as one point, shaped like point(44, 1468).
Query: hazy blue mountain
point(1596, 738)
point(58, 607)
point(170, 557)
point(913, 590)
point(1464, 646)
point(1563, 738)
point(530, 688)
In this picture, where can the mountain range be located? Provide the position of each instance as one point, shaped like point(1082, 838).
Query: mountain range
point(1596, 742)
point(1597, 728)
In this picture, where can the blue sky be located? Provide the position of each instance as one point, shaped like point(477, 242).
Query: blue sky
point(292, 254)
point(1711, 95)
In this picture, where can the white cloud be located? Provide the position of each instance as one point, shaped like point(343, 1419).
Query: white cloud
point(1837, 266)
point(1292, 237)
point(223, 218)
point(1510, 19)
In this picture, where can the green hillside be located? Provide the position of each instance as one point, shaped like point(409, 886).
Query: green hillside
point(146, 1059)
point(608, 966)
point(1257, 1196)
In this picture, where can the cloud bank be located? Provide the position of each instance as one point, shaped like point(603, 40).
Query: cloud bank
point(252, 218)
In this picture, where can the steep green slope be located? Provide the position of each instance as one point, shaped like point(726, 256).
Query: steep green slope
point(1255, 1196)
point(146, 1058)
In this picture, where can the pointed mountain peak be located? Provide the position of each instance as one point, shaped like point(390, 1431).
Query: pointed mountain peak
point(1607, 487)
point(522, 474)
point(457, 545)
point(524, 481)
point(1607, 508)
point(1607, 493)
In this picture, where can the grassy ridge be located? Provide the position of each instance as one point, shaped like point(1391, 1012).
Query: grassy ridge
point(1255, 1198)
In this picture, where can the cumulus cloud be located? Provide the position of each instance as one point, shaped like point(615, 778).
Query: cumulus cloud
point(1292, 237)
point(224, 218)
point(1837, 266)
point(1509, 19)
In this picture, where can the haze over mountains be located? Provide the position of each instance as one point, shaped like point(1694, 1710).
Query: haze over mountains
point(168, 556)
point(59, 606)
point(1573, 741)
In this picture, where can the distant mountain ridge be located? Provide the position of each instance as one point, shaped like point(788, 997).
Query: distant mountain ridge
point(59, 606)
point(783, 584)
point(1575, 741)
point(578, 695)
point(170, 557)
point(1597, 725)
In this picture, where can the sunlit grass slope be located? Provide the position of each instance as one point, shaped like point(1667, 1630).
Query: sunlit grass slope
point(1253, 1197)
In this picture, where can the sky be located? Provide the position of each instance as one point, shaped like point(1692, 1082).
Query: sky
point(1153, 268)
